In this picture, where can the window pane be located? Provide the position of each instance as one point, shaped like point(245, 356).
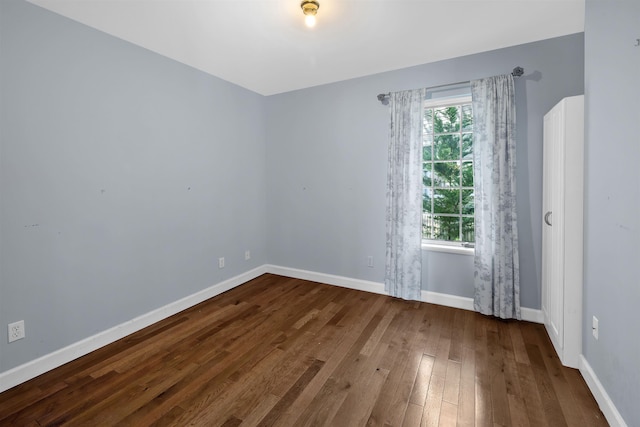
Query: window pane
point(446, 119)
point(446, 228)
point(446, 201)
point(426, 150)
point(467, 202)
point(468, 234)
point(467, 146)
point(446, 174)
point(427, 226)
point(426, 174)
point(426, 199)
point(467, 174)
point(428, 121)
point(447, 147)
point(467, 118)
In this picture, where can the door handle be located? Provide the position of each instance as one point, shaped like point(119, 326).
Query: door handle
point(546, 218)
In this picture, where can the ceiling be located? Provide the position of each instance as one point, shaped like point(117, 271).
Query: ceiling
point(264, 46)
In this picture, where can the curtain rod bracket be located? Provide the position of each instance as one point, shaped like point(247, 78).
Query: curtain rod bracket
point(384, 98)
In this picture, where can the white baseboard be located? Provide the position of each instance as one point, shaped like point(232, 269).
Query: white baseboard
point(600, 394)
point(50, 361)
point(329, 279)
point(447, 300)
point(64, 355)
point(367, 286)
point(531, 315)
point(528, 314)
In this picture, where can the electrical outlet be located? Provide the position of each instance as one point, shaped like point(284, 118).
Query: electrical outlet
point(369, 261)
point(221, 262)
point(16, 331)
point(247, 255)
point(594, 327)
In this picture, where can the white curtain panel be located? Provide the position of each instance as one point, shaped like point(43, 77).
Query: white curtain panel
point(403, 273)
point(497, 282)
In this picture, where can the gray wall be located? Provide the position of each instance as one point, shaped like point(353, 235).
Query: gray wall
point(612, 200)
point(123, 177)
point(327, 154)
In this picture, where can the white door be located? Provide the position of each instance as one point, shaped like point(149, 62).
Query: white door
point(562, 237)
point(552, 224)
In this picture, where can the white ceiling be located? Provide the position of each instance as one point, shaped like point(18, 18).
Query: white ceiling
point(264, 46)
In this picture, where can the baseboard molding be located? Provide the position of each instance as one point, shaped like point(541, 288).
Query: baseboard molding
point(528, 314)
point(32, 369)
point(531, 315)
point(447, 300)
point(329, 279)
point(600, 394)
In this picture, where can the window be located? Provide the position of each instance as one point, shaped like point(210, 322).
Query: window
point(447, 172)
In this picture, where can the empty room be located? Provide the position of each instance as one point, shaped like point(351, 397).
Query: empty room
point(319, 212)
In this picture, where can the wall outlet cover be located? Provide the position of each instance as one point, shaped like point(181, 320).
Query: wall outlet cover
point(15, 331)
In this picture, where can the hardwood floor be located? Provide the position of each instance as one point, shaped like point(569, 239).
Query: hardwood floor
point(286, 352)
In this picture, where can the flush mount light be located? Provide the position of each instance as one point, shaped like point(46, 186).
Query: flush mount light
point(310, 8)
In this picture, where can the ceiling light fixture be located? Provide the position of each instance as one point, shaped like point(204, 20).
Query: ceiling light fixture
point(310, 8)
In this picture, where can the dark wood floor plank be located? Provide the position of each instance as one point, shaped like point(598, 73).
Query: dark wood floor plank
point(448, 415)
point(550, 404)
point(483, 396)
point(278, 351)
point(457, 336)
point(415, 341)
point(499, 401)
point(292, 394)
point(394, 360)
point(533, 402)
point(452, 382)
point(262, 411)
point(413, 415)
point(433, 403)
point(466, 401)
point(421, 385)
point(436, 318)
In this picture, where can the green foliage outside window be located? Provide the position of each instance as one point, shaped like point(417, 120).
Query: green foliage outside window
point(448, 202)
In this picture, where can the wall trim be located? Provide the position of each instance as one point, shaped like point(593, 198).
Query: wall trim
point(531, 315)
point(600, 394)
point(329, 279)
point(528, 314)
point(448, 300)
point(33, 368)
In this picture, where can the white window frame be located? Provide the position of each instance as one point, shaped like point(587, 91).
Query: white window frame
point(461, 248)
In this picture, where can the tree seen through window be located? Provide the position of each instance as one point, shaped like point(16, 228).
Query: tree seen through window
point(448, 173)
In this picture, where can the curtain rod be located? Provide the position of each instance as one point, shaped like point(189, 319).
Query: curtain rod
point(384, 97)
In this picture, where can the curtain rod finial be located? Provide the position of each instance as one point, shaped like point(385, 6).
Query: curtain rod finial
point(517, 72)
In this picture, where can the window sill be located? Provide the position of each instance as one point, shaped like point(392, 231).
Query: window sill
point(448, 249)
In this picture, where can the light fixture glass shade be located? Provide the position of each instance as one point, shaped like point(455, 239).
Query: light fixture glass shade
point(310, 20)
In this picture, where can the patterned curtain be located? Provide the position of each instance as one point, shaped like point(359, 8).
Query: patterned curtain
point(404, 196)
point(497, 282)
